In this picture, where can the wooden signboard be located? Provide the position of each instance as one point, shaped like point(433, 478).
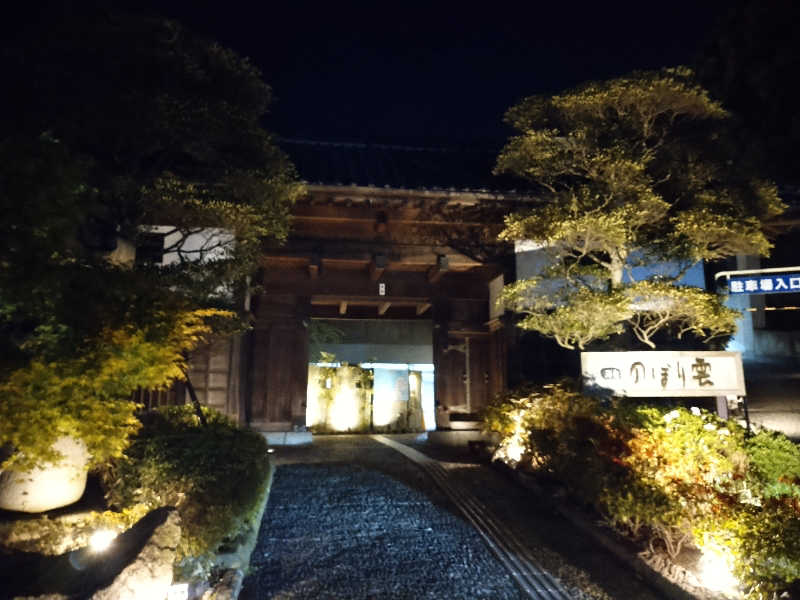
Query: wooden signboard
point(663, 373)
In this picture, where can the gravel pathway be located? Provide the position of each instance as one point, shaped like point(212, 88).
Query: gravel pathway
point(358, 533)
point(348, 517)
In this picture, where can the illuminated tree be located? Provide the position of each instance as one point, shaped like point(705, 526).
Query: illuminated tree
point(632, 171)
point(115, 124)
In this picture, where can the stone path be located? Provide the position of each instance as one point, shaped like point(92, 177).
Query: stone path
point(357, 533)
point(350, 518)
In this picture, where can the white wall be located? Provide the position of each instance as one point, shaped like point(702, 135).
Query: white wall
point(209, 244)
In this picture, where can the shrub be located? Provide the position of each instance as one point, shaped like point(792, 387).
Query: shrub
point(89, 397)
point(668, 476)
point(689, 465)
point(213, 474)
point(775, 465)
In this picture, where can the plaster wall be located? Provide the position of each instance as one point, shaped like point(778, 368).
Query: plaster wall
point(382, 341)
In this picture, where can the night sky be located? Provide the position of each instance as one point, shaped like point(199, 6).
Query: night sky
point(441, 72)
point(438, 73)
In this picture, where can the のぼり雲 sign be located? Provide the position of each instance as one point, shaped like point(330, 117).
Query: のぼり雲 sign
point(663, 373)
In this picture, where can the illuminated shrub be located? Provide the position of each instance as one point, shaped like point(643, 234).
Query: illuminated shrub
point(668, 477)
point(88, 396)
point(213, 474)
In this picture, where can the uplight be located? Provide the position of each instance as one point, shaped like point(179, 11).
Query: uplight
point(101, 539)
point(715, 571)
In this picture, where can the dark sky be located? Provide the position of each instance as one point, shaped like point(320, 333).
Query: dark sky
point(436, 73)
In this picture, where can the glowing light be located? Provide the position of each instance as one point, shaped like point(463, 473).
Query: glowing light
point(512, 448)
point(178, 591)
point(344, 411)
point(389, 396)
point(714, 570)
point(428, 408)
point(313, 408)
point(101, 539)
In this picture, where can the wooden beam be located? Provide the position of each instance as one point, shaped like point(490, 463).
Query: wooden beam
point(300, 249)
point(342, 284)
point(342, 307)
point(422, 307)
point(377, 266)
point(314, 264)
point(383, 307)
point(336, 300)
point(494, 325)
point(436, 271)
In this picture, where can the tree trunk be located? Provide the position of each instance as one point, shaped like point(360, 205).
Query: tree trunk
point(617, 269)
point(198, 410)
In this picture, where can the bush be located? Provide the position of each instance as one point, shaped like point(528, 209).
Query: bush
point(775, 465)
point(88, 397)
point(667, 476)
point(213, 474)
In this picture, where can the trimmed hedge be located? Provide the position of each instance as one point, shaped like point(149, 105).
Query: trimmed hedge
point(666, 476)
point(213, 474)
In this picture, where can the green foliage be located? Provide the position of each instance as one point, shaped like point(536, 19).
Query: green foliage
point(634, 170)
point(659, 305)
point(116, 124)
point(767, 547)
point(89, 396)
point(321, 333)
point(775, 460)
point(214, 475)
point(667, 477)
point(573, 316)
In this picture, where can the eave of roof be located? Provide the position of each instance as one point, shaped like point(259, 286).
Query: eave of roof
point(376, 166)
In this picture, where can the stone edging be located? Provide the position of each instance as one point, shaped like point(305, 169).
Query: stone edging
point(236, 563)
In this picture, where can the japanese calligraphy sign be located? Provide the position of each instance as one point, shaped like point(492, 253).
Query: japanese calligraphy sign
point(764, 283)
point(664, 373)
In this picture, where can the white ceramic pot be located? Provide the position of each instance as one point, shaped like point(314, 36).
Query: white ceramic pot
point(49, 486)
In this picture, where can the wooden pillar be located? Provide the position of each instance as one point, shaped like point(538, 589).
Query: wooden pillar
point(498, 359)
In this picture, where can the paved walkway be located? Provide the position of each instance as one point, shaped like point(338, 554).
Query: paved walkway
point(773, 394)
point(351, 518)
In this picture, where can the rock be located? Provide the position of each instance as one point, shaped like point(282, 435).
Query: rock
point(149, 576)
point(50, 486)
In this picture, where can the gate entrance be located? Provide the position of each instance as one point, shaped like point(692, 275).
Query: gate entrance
point(387, 262)
point(371, 375)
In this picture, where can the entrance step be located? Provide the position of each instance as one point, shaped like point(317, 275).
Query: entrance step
point(287, 438)
point(460, 437)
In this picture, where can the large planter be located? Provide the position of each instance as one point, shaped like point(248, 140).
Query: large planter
point(49, 486)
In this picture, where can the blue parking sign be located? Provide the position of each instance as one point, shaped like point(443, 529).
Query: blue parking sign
point(764, 283)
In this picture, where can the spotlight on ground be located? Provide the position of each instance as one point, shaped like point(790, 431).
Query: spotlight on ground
point(101, 540)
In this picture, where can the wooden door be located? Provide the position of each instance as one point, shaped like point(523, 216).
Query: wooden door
point(280, 376)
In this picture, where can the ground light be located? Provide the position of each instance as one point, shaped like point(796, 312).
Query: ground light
point(714, 570)
point(513, 446)
point(178, 591)
point(99, 542)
